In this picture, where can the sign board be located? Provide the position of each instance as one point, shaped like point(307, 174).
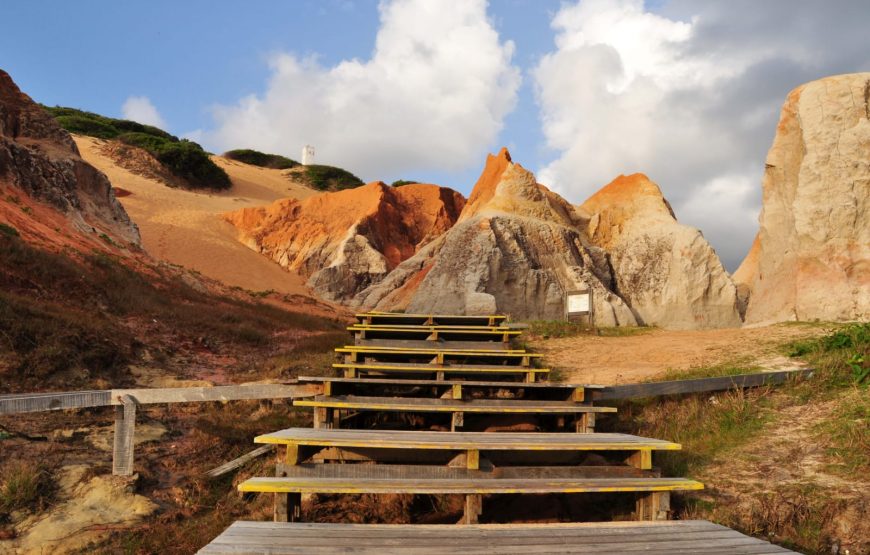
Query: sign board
point(578, 303)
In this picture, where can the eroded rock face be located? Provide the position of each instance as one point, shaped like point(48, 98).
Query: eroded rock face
point(345, 241)
point(515, 249)
point(813, 246)
point(667, 272)
point(40, 158)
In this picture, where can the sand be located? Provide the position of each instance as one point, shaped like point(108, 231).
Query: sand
point(651, 355)
point(184, 227)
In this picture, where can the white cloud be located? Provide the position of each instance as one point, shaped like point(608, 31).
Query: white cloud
point(689, 95)
point(141, 110)
point(433, 96)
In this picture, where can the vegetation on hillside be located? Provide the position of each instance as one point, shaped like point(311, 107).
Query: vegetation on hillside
point(183, 158)
point(737, 436)
point(257, 158)
point(402, 182)
point(330, 178)
point(79, 320)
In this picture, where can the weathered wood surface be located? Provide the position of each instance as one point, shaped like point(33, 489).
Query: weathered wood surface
point(400, 439)
point(459, 471)
point(39, 402)
point(436, 350)
point(309, 480)
point(700, 385)
point(448, 383)
point(426, 367)
point(431, 319)
point(422, 327)
point(411, 404)
point(125, 426)
point(654, 538)
point(240, 461)
point(442, 345)
point(217, 393)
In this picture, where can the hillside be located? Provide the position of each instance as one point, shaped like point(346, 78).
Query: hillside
point(184, 227)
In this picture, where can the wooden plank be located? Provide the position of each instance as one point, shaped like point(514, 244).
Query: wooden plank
point(434, 350)
point(418, 404)
point(463, 383)
point(239, 462)
point(217, 393)
point(504, 441)
point(424, 344)
point(387, 484)
point(123, 446)
point(439, 328)
point(701, 385)
point(411, 368)
point(38, 402)
point(463, 468)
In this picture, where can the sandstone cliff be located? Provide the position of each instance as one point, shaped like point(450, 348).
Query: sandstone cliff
point(667, 272)
point(515, 249)
point(343, 242)
point(41, 159)
point(812, 258)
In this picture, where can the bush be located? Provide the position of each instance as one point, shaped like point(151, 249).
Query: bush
point(401, 182)
point(257, 158)
point(183, 158)
point(24, 486)
point(7, 229)
point(330, 178)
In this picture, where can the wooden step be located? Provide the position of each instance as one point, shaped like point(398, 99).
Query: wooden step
point(439, 371)
point(303, 443)
point(596, 538)
point(418, 327)
point(313, 482)
point(412, 404)
point(458, 389)
point(427, 333)
point(439, 344)
point(325, 408)
point(436, 356)
point(428, 349)
point(430, 319)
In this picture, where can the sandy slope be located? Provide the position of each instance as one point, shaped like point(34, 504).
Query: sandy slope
point(650, 355)
point(183, 227)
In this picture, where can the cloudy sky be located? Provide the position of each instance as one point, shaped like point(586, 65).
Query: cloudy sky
point(687, 92)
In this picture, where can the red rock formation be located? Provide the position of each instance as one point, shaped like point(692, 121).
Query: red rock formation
point(344, 241)
point(40, 159)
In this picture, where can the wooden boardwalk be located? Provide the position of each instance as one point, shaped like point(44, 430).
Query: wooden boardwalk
point(651, 538)
point(402, 373)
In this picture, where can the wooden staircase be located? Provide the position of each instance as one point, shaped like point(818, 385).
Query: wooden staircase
point(412, 412)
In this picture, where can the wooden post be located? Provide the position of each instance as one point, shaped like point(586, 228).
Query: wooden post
point(125, 426)
point(586, 423)
point(320, 418)
point(473, 509)
point(457, 421)
point(642, 459)
point(472, 459)
point(457, 391)
point(655, 505)
point(287, 507)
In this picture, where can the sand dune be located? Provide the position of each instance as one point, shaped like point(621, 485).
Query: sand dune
point(184, 227)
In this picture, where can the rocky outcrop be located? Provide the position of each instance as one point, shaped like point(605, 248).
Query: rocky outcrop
point(665, 271)
point(40, 158)
point(516, 249)
point(812, 259)
point(345, 241)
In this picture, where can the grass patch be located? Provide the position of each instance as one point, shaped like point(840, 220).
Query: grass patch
point(183, 158)
point(257, 158)
point(330, 178)
point(24, 486)
point(733, 367)
point(705, 426)
point(847, 434)
point(840, 359)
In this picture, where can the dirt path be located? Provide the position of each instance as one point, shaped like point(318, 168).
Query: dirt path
point(646, 355)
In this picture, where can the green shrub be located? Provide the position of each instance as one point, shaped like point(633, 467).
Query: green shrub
point(401, 182)
point(330, 178)
point(841, 357)
point(7, 229)
point(183, 158)
point(257, 158)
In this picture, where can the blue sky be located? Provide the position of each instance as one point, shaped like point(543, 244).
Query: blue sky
point(188, 56)
point(581, 91)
